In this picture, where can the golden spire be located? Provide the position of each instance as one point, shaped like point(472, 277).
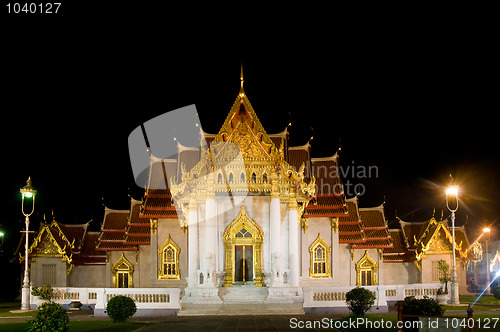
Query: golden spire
point(242, 92)
point(241, 75)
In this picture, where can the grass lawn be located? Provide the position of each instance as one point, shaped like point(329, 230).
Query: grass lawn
point(375, 323)
point(10, 305)
point(82, 326)
point(18, 314)
point(475, 307)
point(485, 299)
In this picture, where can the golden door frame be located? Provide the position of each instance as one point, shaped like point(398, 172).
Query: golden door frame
point(230, 241)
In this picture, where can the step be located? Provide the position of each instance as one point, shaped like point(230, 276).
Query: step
point(248, 294)
point(241, 309)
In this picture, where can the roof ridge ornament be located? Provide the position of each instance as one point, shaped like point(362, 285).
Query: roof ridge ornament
point(242, 92)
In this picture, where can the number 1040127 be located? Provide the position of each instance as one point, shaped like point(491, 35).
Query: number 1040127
point(33, 8)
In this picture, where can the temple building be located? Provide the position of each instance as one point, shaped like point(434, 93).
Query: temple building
point(246, 218)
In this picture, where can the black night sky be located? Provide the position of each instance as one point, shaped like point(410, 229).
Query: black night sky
point(417, 105)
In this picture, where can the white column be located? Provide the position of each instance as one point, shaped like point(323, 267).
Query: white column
point(209, 256)
point(193, 244)
point(293, 245)
point(275, 221)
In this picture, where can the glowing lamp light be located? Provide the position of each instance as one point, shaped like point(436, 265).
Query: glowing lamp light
point(452, 191)
point(498, 274)
point(2, 234)
point(28, 191)
point(486, 230)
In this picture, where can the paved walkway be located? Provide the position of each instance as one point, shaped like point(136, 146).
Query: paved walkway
point(239, 323)
point(226, 323)
point(234, 324)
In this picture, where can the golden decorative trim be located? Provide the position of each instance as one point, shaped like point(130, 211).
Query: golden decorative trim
point(230, 241)
point(122, 266)
point(49, 247)
point(335, 224)
point(154, 225)
point(324, 248)
point(162, 275)
point(304, 225)
point(366, 264)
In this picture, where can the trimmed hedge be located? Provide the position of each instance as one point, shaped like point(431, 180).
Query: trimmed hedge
point(50, 317)
point(359, 300)
point(120, 308)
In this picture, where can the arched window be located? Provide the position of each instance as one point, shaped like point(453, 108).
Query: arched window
point(242, 176)
point(169, 260)
point(219, 178)
point(122, 273)
point(320, 259)
point(254, 177)
point(366, 271)
point(230, 177)
point(264, 178)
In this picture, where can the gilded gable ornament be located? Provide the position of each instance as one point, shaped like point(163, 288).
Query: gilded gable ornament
point(438, 246)
point(47, 248)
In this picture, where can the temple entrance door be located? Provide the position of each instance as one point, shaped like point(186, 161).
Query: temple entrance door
point(243, 251)
point(243, 263)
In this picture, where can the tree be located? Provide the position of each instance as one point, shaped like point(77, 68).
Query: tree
point(444, 274)
point(359, 300)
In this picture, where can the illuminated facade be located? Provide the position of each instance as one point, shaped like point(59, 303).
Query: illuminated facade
point(243, 211)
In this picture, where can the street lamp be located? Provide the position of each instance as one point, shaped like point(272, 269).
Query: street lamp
point(453, 191)
point(487, 230)
point(26, 192)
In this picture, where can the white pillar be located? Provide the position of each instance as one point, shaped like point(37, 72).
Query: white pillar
point(193, 244)
point(293, 245)
point(209, 256)
point(275, 221)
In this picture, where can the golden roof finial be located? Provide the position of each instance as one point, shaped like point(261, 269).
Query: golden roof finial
point(241, 75)
point(242, 92)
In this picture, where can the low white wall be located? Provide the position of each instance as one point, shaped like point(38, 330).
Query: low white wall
point(334, 297)
point(149, 301)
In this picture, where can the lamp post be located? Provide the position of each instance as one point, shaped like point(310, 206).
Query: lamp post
point(26, 192)
point(453, 191)
point(486, 230)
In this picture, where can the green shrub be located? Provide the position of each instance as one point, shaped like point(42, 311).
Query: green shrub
point(496, 292)
point(359, 300)
point(424, 307)
point(50, 317)
point(44, 292)
point(120, 308)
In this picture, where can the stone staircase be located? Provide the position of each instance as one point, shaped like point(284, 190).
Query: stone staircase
point(243, 294)
point(238, 300)
point(291, 309)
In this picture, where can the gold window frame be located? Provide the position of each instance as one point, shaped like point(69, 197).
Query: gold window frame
point(122, 265)
point(366, 264)
point(169, 244)
point(319, 242)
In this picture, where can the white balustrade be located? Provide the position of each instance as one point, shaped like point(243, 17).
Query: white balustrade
point(144, 298)
point(324, 297)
